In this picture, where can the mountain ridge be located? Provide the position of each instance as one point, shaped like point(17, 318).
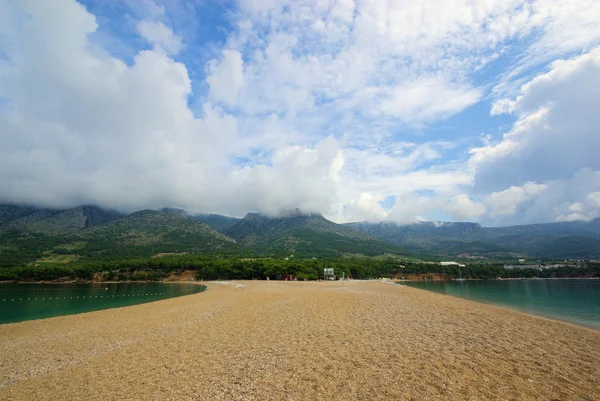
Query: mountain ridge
point(216, 221)
point(304, 233)
point(92, 234)
point(579, 239)
point(292, 232)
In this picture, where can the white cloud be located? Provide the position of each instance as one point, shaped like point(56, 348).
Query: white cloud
point(319, 105)
point(371, 175)
point(152, 9)
point(427, 99)
point(160, 35)
point(462, 207)
point(226, 77)
point(552, 142)
point(558, 28)
point(83, 127)
point(410, 208)
point(571, 217)
point(506, 202)
point(586, 209)
point(409, 61)
point(593, 199)
point(342, 10)
point(365, 207)
point(297, 177)
point(502, 106)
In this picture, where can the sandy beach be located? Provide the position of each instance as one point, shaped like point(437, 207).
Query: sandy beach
point(300, 341)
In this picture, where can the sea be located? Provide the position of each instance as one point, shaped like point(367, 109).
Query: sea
point(19, 302)
point(570, 300)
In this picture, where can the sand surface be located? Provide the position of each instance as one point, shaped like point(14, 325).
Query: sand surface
point(300, 341)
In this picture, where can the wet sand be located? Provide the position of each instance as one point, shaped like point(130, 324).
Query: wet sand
point(300, 341)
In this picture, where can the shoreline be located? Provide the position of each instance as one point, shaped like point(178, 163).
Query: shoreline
point(556, 318)
point(70, 281)
point(504, 279)
point(306, 340)
point(562, 318)
point(99, 282)
point(517, 310)
point(41, 301)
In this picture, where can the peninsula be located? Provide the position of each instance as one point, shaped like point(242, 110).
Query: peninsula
point(272, 340)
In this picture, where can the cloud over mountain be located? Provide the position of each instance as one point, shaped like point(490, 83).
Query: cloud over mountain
point(358, 110)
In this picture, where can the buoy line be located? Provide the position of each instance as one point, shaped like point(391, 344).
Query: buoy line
point(82, 297)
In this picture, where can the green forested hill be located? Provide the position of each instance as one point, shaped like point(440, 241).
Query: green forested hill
point(26, 222)
point(576, 228)
point(73, 220)
point(37, 235)
point(13, 212)
point(553, 240)
point(141, 234)
point(553, 246)
point(216, 221)
point(304, 235)
point(148, 232)
point(53, 222)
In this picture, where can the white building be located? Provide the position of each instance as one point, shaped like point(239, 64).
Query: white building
point(539, 267)
point(452, 264)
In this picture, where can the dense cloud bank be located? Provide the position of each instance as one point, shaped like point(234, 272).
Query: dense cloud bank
point(328, 109)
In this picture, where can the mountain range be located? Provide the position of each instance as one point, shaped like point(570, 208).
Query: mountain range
point(562, 240)
point(304, 234)
point(29, 234)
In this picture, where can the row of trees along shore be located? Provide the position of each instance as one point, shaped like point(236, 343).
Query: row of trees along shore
point(214, 268)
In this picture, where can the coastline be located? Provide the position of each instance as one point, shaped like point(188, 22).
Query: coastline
point(499, 279)
point(183, 276)
point(538, 311)
point(517, 310)
point(301, 340)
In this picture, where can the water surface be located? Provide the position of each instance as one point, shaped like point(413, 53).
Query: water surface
point(575, 301)
point(20, 302)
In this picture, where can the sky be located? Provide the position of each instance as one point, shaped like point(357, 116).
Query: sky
point(406, 110)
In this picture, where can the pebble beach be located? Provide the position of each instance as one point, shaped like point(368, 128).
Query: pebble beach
point(268, 340)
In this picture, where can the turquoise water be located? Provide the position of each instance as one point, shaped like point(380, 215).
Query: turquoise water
point(20, 302)
point(575, 301)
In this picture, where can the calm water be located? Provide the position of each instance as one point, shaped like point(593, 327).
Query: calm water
point(576, 301)
point(20, 302)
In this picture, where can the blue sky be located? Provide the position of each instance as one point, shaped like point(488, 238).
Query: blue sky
point(360, 110)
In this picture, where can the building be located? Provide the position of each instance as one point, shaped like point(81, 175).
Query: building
point(523, 267)
point(452, 264)
point(538, 266)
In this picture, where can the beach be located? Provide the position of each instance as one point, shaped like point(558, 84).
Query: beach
point(268, 340)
